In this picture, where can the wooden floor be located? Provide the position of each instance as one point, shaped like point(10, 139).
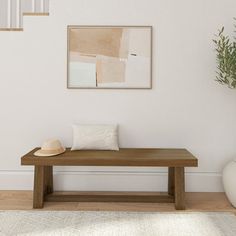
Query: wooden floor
point(22, 200)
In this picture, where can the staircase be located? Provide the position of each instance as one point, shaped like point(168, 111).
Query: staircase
point(12, 12)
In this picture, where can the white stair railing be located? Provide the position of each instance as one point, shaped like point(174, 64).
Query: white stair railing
point(12, 11)
point(14, 16)
point(35, 6)
point(9, 13)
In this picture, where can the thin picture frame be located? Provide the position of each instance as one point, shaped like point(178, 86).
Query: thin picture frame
point(69, 27)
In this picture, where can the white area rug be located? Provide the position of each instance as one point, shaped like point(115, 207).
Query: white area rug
point(63, 223)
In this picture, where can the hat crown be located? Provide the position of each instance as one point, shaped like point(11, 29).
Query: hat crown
point(51, 144)
point(51, 147)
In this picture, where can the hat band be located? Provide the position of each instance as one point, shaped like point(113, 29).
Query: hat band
point(54, 151)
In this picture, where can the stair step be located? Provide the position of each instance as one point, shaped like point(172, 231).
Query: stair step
point(35, 14)
point(11, 29)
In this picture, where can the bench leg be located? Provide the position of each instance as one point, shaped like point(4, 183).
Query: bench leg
point(171, 181)
point(48, 180)
point(179, 188)
point(38, 187)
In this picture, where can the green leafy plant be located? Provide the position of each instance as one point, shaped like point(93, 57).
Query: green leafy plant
point(226, 59)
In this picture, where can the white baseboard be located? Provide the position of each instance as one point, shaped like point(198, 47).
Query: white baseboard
point(111, 181)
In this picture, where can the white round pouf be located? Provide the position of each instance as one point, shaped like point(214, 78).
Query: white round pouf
point(229, 181)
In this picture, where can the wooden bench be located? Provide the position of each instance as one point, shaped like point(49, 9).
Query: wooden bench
point(174, 159)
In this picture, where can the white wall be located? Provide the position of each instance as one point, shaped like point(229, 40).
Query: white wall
point(186, 107)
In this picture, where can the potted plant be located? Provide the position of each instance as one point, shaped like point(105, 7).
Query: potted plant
point(226, 59)
point(226, 75)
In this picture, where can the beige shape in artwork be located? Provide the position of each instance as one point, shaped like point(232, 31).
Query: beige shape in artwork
point(110, 70)
point(98, 41)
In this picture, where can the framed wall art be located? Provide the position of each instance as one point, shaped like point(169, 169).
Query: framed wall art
point(109, 57)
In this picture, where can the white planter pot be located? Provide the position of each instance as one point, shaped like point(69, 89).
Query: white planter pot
point(229, 181)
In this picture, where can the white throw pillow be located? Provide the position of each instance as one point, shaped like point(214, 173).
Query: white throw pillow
point(95, 137)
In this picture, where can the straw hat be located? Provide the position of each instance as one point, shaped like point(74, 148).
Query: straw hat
point(51, 147)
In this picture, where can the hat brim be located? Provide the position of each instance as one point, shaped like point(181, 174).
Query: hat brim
point(41, 153)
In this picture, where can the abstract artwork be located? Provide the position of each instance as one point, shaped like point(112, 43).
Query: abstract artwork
point(109, 56)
